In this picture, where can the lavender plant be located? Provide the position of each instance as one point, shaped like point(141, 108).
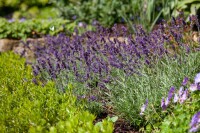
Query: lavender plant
point(119, 67)
point(92, 56)
point(128, 93)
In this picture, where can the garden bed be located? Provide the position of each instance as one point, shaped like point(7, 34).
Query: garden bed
point(120, 77)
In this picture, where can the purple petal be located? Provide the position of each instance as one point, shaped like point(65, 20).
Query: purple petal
point(194, 124)
point(184, 96)
point(176, 98)
point(194, 129)
point(180, 92)
point(163, 106)
point(185, 81)
point(92, 98)
point(195, 119)
point(167, 101)
point(197, 78)
point(198, 87)
point(171, 92)
point(143, 108)
point(193, 87)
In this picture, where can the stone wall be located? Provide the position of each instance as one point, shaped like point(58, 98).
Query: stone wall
point(25, 48)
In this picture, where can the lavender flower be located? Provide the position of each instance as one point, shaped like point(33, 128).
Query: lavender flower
point(74, 17)
point(80, 24)
point(181, 91)
point(171, 92)
point(197, 78)
point(176, 98)
point(193, 87)
point(170, 95)
point(92, 98)
point(167, 101)
point(22, 20)
point(36, 70)
point(35, 81)
point(11, 20)
point(184, 96)
point(185, 81)
point(195, 123)
point(143, 108)
point(163, 106)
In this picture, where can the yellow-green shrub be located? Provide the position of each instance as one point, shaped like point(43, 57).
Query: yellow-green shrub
point(26, 107)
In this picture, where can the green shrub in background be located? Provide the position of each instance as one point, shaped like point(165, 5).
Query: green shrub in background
point(28, 9)
point(36, 13)
point(145, 12)
point(36, 28)
point(30, 28)
point(15, 3)
point(26, 107)
point(108, 12)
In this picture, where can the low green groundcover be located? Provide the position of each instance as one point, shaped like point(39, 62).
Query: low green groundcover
point(27, 107)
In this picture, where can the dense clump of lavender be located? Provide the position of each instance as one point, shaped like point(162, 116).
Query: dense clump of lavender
point(93, 55)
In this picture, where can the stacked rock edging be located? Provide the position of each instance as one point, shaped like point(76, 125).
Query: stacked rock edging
point(26, 48)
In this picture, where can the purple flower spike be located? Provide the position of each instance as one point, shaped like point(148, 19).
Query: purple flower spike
point(195, 123)
point(176, 98)
point(193, 87)
point(184, 96)
point(171, 92)
point(163, 106)
point(185, 81)
point(167, 101)
point(143, 108)
point(197, 79)
point(92, 98)
point(198, 87)
point(180, 92)
point(170, 95)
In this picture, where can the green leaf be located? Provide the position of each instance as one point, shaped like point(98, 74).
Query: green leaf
point(114, 119)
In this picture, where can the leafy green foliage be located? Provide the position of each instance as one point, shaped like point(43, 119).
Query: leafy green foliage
point(27, 9)
point(144, 12)
point(188, 6)
point(173, 7)
point(26, 107)
point(14, 3)
point(35, 28)
point(109, 12)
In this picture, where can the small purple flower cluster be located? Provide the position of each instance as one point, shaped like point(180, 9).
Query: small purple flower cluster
point(195, 123)
point(165, 103)
point(144, 106)
point(181, 96)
